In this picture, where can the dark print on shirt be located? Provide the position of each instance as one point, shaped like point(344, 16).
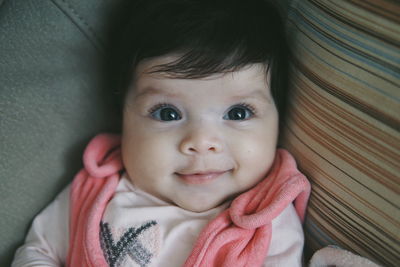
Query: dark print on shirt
point(130, 244)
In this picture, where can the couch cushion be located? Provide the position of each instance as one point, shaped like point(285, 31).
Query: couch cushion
point(344, 123)
point(53, 99)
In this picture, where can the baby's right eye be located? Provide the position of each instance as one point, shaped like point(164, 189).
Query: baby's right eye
point(165, 112)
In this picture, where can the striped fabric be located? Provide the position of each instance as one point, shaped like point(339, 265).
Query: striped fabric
point(344, 122)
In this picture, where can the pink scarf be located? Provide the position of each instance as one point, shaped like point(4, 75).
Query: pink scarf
point(239, 236)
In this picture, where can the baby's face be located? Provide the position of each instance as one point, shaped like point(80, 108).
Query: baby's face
point(199, 142)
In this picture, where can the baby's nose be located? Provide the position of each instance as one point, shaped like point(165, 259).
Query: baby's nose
point(201, 141)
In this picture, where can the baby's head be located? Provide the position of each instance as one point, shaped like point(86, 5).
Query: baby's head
point(205, 81)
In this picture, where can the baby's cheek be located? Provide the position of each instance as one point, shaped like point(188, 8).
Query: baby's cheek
point(259, 156)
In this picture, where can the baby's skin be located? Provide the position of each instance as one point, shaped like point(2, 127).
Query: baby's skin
point(198, 142)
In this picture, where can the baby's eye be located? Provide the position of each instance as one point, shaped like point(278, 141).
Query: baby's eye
point(239, 112)
point(165, 112)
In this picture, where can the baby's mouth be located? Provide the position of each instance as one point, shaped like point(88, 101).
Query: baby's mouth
point(197, 178)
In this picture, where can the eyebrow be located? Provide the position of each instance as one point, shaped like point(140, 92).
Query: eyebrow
point(256, 94)
point(150, 90)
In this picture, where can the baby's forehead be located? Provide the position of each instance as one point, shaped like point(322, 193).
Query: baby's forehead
point(250, 81)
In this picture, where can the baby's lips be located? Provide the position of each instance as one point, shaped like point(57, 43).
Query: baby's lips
point(200, 177)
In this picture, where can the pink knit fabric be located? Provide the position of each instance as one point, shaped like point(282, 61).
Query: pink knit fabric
point(239, 236)
point(89, 197)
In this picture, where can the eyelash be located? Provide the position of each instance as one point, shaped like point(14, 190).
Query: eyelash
point(158, 106)
point(246, 105)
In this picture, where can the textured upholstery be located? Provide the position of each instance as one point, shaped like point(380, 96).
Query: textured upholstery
point(344, 122)
point(52, 101)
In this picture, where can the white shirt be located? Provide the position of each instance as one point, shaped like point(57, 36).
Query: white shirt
point(158, 233)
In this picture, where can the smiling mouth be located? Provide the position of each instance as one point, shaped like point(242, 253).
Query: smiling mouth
point(200, 178)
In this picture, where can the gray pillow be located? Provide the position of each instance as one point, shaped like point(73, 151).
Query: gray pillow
point(53, 99)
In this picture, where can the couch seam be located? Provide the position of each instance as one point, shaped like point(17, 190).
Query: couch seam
point(80, 22)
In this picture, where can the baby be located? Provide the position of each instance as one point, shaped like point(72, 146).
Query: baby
point(196, 178)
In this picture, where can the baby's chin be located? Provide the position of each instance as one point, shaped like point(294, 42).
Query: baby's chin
point(201, 205)
point(198, 208)
point(190, 201)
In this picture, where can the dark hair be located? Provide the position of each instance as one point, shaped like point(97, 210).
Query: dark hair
point(209, 37)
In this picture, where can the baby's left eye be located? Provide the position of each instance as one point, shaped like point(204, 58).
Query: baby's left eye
point(239, 112)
